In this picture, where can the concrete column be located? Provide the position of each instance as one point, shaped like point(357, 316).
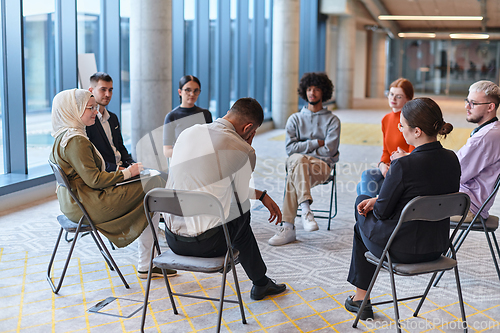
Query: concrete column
point(377, 61)
point(150, 66)
point(285, 60)
point(345, 61)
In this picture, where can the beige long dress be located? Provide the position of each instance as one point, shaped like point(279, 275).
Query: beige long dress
point(117, 211)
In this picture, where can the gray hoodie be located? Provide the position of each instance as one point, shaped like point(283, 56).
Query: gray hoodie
point(305, 128)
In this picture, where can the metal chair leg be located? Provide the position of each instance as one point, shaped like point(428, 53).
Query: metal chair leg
point(222, 292)
point(456, 245)
point(102, 253)
point(492, 251)
point(238, 293)
point(394, 295)
point(66, 264)
point(460, 299)
point(498, 252)
point(422, 299)
point(110, 258)
point(70, 240)
point(146, 295)
point(334, 185)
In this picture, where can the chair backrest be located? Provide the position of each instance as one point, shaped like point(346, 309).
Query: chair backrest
point(183, 203)
point(61, 178)
point(436, 207)
point(490, 197)
point(63, 181)
point(433, 208)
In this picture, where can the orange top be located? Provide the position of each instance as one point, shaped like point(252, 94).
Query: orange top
point(393, 138)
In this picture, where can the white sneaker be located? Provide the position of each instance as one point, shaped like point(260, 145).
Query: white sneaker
point(309, 222)
point(162, 238)
point(285, 235)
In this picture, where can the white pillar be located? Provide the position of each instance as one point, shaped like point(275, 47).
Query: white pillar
point(150, 65)
point(377, 64)
point(285, 76)
point(345, 61)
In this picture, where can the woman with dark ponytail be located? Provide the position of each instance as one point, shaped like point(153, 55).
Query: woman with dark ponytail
point(429, 169)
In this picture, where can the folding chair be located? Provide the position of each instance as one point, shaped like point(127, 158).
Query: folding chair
point(478, 223)
point(333, 180)
point(429, 209)
point(84, 225)
point(189, 203)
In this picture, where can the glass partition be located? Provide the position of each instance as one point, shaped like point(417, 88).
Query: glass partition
point(126, 125)
point(449, 67)
point(88, 28)
point(39, 62)
point(2, 158)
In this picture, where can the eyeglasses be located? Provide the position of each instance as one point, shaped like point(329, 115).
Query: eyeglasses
point(188, 91)
point(473, 104)
point(92, 108)
point(391, 95)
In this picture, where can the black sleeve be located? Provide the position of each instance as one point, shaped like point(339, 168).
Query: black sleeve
point(110, 167)
point(390, 193)
point(118, 141)
point(169, 130)
point(208, 116)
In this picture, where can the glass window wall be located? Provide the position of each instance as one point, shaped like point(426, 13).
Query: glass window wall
point(2, 157)
point(126, 125)
point(88, 28)
point(449, 67)
point(39, 62)
point(213, 59)
point(190, 38)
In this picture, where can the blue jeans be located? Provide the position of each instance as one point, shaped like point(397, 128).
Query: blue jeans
point(370, 183)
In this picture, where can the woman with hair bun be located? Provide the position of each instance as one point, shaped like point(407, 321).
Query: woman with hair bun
point(429, 169)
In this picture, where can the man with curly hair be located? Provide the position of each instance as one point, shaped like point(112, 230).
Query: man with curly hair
point(312, 142)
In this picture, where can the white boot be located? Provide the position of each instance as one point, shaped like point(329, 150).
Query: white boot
point(284, 235)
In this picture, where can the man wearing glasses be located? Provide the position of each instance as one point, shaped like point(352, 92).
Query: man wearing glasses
point(480, 157)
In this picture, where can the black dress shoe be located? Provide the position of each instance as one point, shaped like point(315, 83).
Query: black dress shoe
point(271, 288)
point(354, 306)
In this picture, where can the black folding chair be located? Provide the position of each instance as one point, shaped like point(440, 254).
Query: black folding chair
point(479, 223)
point(429, 209)
point(189, 203)
point(84, 225)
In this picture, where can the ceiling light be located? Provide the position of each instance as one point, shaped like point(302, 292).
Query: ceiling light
point(428, 18)
point(417, 35)
point(469, 36)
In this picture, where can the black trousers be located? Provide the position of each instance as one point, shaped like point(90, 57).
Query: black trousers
point(242, 239)
point(361, 271)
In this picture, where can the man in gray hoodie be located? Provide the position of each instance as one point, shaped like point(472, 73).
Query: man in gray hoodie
point(312, 142)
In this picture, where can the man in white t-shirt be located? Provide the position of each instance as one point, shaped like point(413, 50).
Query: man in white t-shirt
point(218, 158)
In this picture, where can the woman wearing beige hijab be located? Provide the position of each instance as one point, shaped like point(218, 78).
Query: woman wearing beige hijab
point(117, 211)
